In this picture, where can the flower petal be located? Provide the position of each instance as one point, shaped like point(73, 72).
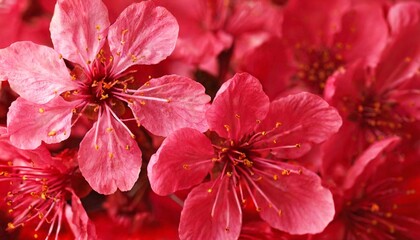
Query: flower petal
point(359, 39)
point(184, 157)
point(238, 105)
point(109, 157)
point(35, 72)
point(176, 101)
point(298, 203)
point(142, 34)
point(365, 158)
point(29, 124)
point(298, 120)
point(401, 58)
point(78, 220)
point(214, 214)
point(79, 29)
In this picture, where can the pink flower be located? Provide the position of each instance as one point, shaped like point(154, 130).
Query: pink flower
point(41, 185)
point(207, 28)
point(240, 162)
point(379, 101)
point(379, 197)
point(89, 73)
point(318, 39)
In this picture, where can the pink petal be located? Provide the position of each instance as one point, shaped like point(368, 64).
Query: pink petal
point(197, 220)
point(239, 104)
point(79, 29)
point(263, 64)
point(78, 220)
point(358, 37)
point(171, 102)
point(299, 203)
point(408, 100)
point(365, 158)
point(186, 154)
point(401, 58)
point(301, 119)
point(29, 124)
point(35, 72)
point(109, 157)
point(142, 34)
point(312, 22)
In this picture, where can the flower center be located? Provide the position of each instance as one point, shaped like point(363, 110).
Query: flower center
point(315, 66)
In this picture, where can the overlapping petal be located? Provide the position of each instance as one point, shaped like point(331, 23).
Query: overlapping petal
point(298, 203)
point(35, 72)
point(211, 214)
point(185, 157)
point(109, 157)
point(79, 222)
point(29, 124)
point(176, 101)
point(79, 29)
point(238, 106)
point(298, 120)
point(142, 34)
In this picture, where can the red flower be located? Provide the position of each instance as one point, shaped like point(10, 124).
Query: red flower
point(249, 138)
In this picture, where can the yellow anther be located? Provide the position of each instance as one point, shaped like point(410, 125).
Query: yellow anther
point(274, 141)
point(258, 121)
point(215, 159)
point(285, 172)
point(263, 133)
point(278, 124)
point(24, 178)
point(127, 147)
point(10, 226)
point(43, 196)
point(133, 58)
point(280, 212)
point(10, 211)
point(374, 207)
point(60, 56)
point(111, 155)
point(298, 145)
point(275, 177)
point(96, 147)
point(88, 62)
point(258, 209)
point(124, 31)
point(35, 236)
point(229, 174)
point(227, 127)
point(186, 166)
point(104, 96)
point(9, 203)
point(52, 133)
point(109, 129)
point(133, 136)
point(237, 116)
point(209, 190)
point(98, 27)
point(225, 149)
point(41, 110)
point(248, 163)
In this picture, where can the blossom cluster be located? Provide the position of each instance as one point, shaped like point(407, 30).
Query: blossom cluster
point(210, 119)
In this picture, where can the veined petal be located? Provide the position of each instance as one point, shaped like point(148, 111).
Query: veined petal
point(295, 203)
point(401, 58)
point(211, 214)
point(78, 220)
point(184, 158)
point(176, 101)
point(365, 158)
point(79, 29)
point(29, 124)
point(359, 39)
point(298, 120)
point(35, 72)
point(109, 157)
point(142, 34)
point(238, 106)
